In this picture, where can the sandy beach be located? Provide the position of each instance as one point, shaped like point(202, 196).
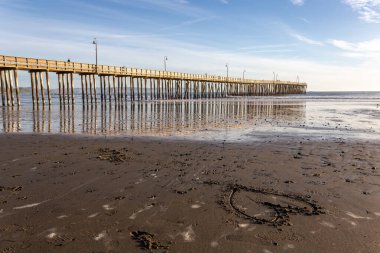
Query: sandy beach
point(94, 194)
point(189, 126)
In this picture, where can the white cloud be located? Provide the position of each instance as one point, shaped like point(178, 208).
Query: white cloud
point(305, 20)
point(188, 23)
point(172, 6)
point(368, 47)
point(306, 40)
point(367, 52)
point(224, 1)
point(368, 10)
point(298, 2)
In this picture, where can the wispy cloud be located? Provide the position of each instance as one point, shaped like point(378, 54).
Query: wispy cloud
point(183, 7)
point(365, 47)
point(224, 1)
point(297, 2)
point(368, 10)
point(306, 40)
point(188, 23)
point(305, 20)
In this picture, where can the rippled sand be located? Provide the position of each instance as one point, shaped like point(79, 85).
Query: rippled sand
point(89, 194)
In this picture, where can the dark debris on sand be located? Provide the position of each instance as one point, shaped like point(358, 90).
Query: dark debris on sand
point(112, 155)
point(147, 241)
point(12, 189)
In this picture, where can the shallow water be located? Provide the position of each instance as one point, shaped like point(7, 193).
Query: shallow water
point(315, 115)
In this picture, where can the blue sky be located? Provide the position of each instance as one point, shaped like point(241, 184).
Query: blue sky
point(330, 44)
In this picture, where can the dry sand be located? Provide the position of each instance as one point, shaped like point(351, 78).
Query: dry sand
point(81, 194)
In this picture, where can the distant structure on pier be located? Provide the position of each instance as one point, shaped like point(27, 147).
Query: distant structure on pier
point(121, 83)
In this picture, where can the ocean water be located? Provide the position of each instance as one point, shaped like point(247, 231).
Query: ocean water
point(315, 115)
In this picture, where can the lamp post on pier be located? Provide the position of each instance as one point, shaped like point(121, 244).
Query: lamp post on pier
point(165, 60)
point(95, 42)
point(244, 74)
point(227, 69)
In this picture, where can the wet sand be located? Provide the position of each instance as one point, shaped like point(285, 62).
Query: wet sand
point(97, 194)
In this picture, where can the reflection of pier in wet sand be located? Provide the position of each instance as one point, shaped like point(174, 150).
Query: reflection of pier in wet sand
point(150, 117)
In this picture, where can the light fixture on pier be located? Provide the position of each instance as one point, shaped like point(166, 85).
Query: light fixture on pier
point(244, 74)
point(165, 60)
point(95, 42)
point(227, 69)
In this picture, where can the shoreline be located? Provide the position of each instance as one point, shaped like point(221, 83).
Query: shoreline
point(68, 193)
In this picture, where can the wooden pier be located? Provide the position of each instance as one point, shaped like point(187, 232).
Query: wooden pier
point(100, 82)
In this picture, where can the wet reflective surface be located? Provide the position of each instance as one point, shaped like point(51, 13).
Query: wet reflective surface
point(229, 118)
point(145, 118)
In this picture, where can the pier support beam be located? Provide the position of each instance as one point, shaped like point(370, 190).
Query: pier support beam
point(88, 87)
point(9, 86)
point(66, 88)
point(38, 78)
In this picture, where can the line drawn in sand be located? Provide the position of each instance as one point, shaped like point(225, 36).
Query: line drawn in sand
point(264, 206)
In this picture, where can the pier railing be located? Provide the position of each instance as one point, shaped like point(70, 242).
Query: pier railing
point(23, 63)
